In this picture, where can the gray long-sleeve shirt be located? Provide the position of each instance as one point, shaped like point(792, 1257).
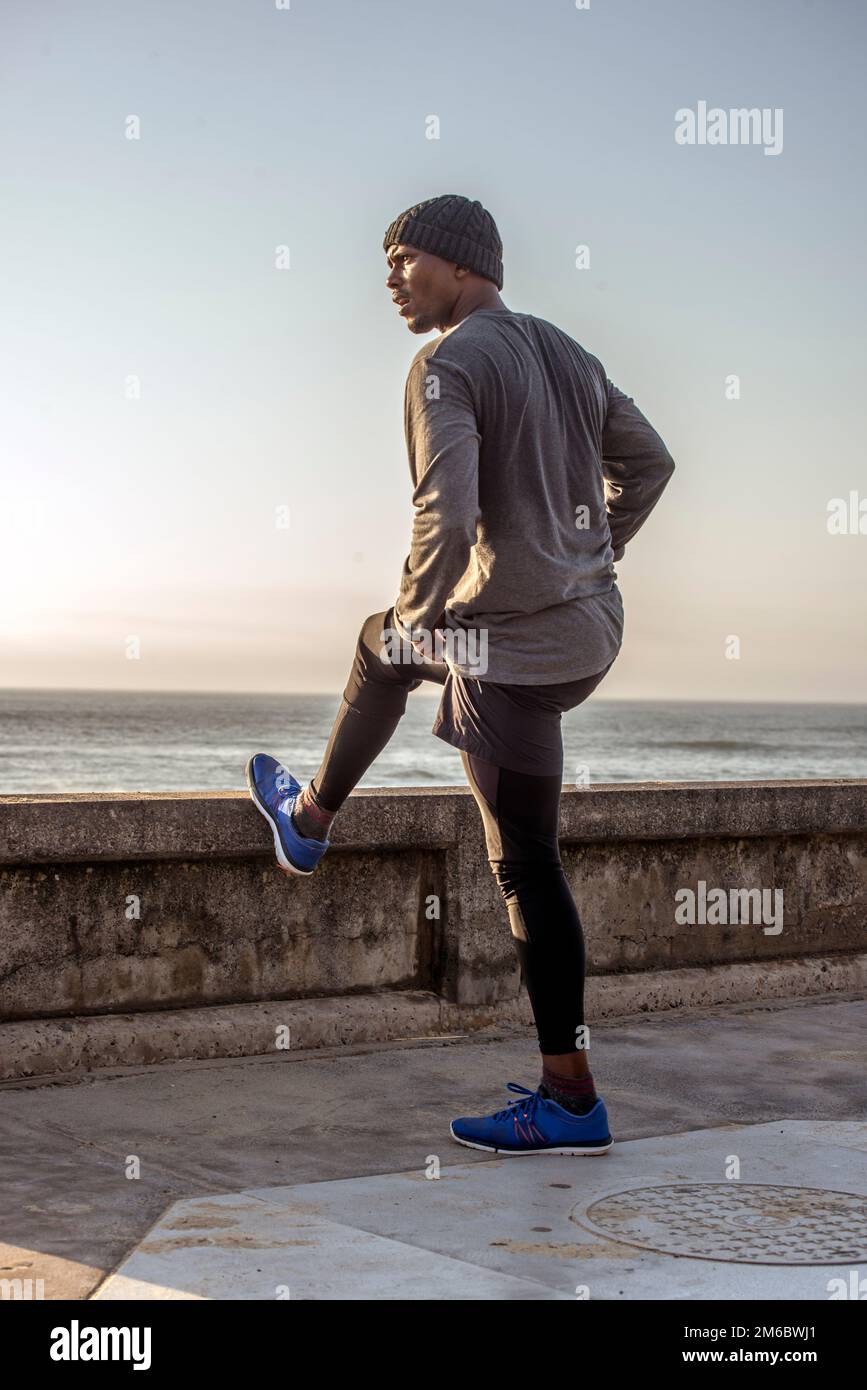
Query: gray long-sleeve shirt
point(531, 472)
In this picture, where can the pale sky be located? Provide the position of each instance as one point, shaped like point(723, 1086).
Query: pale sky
point(260, 388)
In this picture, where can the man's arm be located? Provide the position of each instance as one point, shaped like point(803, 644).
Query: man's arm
point(442, 437)
point(636, 466)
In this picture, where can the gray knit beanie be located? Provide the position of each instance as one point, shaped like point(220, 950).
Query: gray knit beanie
point(456, 229)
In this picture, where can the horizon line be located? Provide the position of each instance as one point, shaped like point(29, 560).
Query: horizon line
point(434, 688)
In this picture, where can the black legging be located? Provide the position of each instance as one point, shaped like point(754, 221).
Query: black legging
point(520, 813)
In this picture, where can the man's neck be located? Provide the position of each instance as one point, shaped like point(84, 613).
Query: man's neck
point(462, 309)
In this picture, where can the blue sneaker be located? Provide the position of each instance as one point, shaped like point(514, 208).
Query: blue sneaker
point(274, 792)
point(533, 1124)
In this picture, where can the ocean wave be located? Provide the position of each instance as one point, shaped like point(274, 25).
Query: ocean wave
point(719, 745)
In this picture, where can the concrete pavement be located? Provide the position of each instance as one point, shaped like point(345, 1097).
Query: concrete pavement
point(87, 1167)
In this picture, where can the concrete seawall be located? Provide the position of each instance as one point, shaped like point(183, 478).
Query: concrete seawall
point(138, 928)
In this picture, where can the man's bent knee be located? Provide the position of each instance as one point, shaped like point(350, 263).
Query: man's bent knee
point(380, 653)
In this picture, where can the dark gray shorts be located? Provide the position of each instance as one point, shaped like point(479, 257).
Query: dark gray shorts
point(514, 726)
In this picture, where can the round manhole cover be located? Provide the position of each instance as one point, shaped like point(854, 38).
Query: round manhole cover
point(748, 1223)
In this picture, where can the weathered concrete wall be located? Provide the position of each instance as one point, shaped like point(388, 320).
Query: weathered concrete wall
point(219, 924)
point(210, 931)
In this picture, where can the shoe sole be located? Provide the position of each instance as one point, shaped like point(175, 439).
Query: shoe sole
point(518, 1153)
point(283, 861)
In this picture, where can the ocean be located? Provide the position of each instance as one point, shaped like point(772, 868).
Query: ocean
point(97, 740)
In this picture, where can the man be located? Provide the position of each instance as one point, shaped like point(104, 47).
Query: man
point(532, 472)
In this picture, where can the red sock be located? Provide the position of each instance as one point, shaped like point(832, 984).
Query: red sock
point(574, 1093)
point(309, 817)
